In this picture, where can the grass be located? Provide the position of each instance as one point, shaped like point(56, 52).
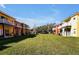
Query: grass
point(43, 44)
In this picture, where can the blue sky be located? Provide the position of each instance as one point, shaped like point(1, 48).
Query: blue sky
point(39, 14)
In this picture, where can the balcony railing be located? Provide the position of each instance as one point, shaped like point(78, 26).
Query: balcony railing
point(6, 22)
point(1, 21)
point(19, 26)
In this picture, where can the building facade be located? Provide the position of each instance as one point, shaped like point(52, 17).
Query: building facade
point(69, 28)
point(57, 29)
point(10, 27)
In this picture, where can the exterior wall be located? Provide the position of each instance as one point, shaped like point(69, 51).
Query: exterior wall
point(17, 28)
point(1, 30)
point(24, 31)
point(27, 31)
point(15, 31)
point(74, 23)
point(8, 19)
point(11, 26)
point(8, 25)
point(57, 30)
point(65, 33)
point(74, 26)
point(77, 26)
point(11, 29)
point(8, 31)
point(19, 31)
point(1, 14)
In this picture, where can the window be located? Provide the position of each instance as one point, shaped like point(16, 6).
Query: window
point(74, 18)
point(74, 31)
point(7, 32)
point(2, 17)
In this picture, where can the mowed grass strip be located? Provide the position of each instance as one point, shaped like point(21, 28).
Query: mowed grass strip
point(44, 44)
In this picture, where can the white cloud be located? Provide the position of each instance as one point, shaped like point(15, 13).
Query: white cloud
point(2, 5)
point(36, 22)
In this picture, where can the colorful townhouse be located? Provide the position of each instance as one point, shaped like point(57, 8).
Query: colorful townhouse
point(69, 28)
point(17, 28)
point(66, 29)
point(57, 29)
point(24, 29)
point(74, 24)
point(6, 25)
point(10, 27)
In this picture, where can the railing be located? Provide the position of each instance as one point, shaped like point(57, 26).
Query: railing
point(1, 21)
point(6, 22)
point(9, 23)
point(19, 26)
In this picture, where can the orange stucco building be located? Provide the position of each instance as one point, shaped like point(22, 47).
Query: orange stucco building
point(57, 29)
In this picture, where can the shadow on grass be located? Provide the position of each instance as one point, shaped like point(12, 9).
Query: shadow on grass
point(5, 41)
point(4, 47)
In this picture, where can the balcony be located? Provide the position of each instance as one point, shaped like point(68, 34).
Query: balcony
point(1, 21)
point(19, 26)
point(6, 22)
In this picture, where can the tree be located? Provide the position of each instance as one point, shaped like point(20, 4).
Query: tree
point(45, 28)
point(67, 19)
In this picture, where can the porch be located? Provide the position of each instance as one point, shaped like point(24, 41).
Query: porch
point(66, 31)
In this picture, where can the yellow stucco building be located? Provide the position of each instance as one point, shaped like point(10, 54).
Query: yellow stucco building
point(73, 23)
point(9, 27)
point(6, 25)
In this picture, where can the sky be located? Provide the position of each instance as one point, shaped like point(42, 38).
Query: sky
point(39, 14)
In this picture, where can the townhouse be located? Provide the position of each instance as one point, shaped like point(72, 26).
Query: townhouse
point(24, 29)
point(10, 27)
point(70, 27)
point(66, 29)
point(74, 24)
point(6, 25)
point(17, 28)
point(57, 29)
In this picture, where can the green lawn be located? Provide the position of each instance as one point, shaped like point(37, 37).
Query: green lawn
point(45, 44)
